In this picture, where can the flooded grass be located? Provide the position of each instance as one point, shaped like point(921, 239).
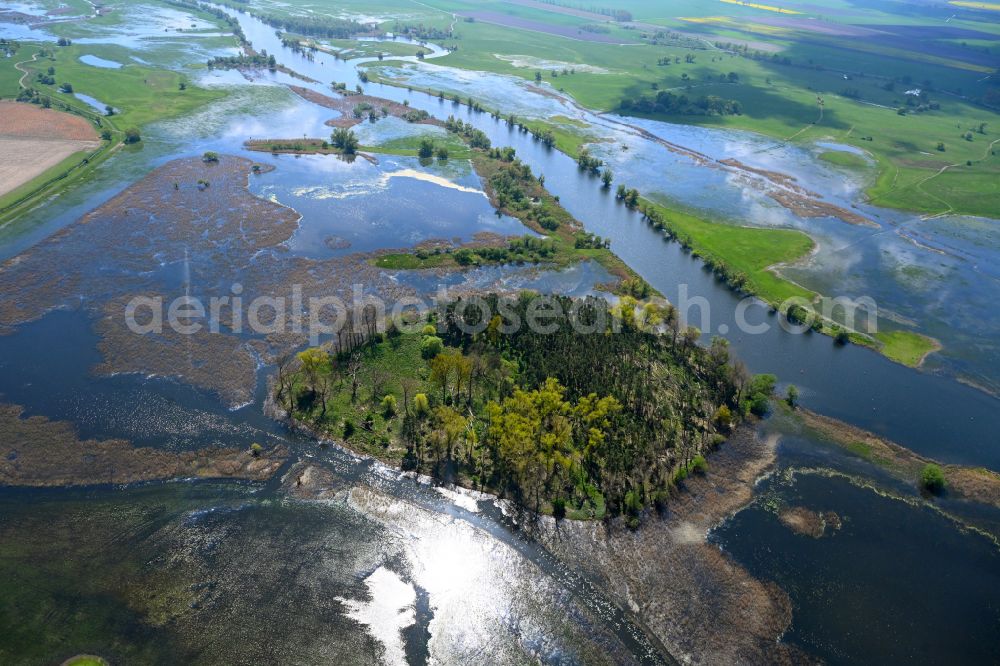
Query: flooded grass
point(39, 452)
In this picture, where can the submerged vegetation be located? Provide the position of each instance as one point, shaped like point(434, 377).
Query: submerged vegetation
point(601, 411)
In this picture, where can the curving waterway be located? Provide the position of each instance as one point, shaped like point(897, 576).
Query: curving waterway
point(474, 581)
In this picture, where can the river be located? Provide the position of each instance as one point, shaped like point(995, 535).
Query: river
point(852, 383)
point(477, 575)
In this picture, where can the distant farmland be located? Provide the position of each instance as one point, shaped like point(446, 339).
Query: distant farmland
point(570, 32)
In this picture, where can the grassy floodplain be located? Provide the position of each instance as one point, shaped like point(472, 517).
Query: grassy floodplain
point(837, 87)
point(747, 250)
point(140, 94)
point(844, 159)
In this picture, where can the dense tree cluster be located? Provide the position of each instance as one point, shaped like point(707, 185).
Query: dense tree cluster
point(315, 25)
point(475, 137)
point(516, 190)
point(420, 32)
point(618, 412)
point(587, 161)
point(668, 102)
point(753, 54)
point(416, 115)
point(261, 59)
point(527, 249)
point(587, 241)
point(599, 410)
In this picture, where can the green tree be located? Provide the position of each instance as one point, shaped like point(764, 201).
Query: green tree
point(792, 396)
point(132, 135)
point(607, 177)
point(723, 418)
point(932, 478)
point(426, 150)
point(344, 140)
point(431, 346)
point(316, 367)
point(421, 405)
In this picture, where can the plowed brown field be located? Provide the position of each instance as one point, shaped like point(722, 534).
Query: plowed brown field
point(33, 140)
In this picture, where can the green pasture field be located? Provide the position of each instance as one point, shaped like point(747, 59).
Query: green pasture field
point(140, 94)
point(784, 101)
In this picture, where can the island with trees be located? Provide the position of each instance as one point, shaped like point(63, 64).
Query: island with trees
point(600, 410)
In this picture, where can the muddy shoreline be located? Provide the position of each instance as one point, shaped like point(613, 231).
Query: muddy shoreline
point(345, 103)
point(703, 606)
point(973, 484)
point(40, 453)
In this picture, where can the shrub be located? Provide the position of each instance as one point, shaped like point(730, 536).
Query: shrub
point(723, 418)
point(431, 346)
point(348, 428)
point(699, 465)
point(426, 149)
point(792, 397)
point(559, 508)
point(210, 156)
point(763, 383)
point(633, 502)
point(759, 404)
point(255, 449)
point(932, 478)
point(132, 135)
point(389, 406)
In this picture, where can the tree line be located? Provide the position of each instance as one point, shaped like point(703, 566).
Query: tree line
point(670, 103)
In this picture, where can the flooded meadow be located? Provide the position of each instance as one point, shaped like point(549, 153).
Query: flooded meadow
point(315, 554)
